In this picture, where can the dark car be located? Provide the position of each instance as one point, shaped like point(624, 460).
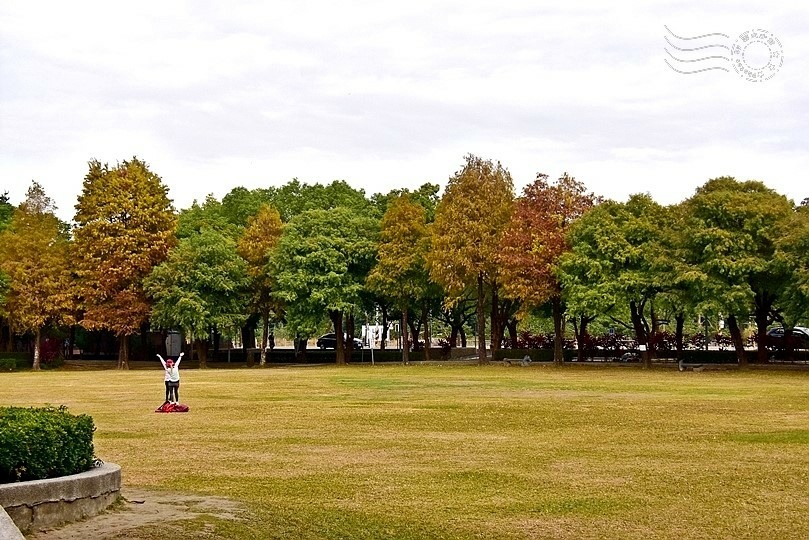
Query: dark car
point(329, 341)
point(799, 338)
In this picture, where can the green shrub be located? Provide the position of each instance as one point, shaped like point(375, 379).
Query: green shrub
point(8, 364)
point(48, 442)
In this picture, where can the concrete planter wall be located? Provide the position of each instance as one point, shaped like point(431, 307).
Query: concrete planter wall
point(40, 504)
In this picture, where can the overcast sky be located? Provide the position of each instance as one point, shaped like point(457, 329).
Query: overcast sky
point(215, 95)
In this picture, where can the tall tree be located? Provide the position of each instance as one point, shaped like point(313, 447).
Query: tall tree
point(732, 231)
point(34, 257)
point(200, 288)
point(321, 263)
point(611, 265)
point(400, 273)
point(535, 238)
point(256, 244)
point(125, 226)
point(467, 234)
point(792, 256)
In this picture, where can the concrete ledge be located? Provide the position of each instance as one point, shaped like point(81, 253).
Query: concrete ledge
point(48, 503)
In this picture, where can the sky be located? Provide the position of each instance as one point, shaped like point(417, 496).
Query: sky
point(384, 95)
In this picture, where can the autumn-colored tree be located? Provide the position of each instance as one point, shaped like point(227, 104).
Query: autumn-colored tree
point(467, 234)
point(6, 211)
point(125, 226)
point(34, 257)
point(256, 244)
point(400, 273)
point(200, 288)
point(535, 238)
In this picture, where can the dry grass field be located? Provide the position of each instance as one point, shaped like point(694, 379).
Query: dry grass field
point(456, 452)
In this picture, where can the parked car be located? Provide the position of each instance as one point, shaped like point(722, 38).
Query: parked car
point(329, 341)
point(799, 338)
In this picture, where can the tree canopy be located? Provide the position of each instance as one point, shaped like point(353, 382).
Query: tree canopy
point(125, 226)
point(34, 258)
point(467, 233)
point(201, 286)
point(320, 265)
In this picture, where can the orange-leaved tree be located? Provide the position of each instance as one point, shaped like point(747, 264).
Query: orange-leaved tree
point(125, 226)
point(34, 257)
point(534, 240)
point(467, 234)
point(400, 274)
point(255, 246)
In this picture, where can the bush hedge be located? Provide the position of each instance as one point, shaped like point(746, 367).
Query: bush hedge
point(47, 442)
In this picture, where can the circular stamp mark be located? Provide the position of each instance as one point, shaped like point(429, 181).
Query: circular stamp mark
point(757, 55)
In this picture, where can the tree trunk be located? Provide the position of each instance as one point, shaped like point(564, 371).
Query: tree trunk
point(37, 349)
point(6, 338)
point(265, 336)
point(496, 321)
point(512, 332)
point(71, 342)
point(385, 326)
point(123, 352)
point(201, 348)
point(217, 339)
point(556, 308)
point(641, 335)
point(405, 339)
point(300, 347)
point(763, 302)
point(349, 344)
point(425, 316)
point(738, 342)
point(414, 327)
point(336, 317)
point(580, 329)
point(248, 332)
point(480, 331)
point(678, 336)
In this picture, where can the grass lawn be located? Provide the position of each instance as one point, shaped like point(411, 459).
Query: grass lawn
point(458, 451)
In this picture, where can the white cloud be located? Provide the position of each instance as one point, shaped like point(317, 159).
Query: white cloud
point(385, 95)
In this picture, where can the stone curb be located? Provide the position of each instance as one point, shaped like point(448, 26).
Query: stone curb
point(52, 502)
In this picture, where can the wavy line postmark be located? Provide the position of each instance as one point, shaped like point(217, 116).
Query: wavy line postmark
point(756, 55)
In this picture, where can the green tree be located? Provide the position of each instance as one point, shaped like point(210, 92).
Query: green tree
point(425, 196)
point(467, 233)
point(125, 226)
point(792, 257)
point(34, 257)
point(321, 263)
point(241, 204)
point(400, 274)
point(295, 197)
point(611, 267)
point(6, 210)
point(732, 231)
point(210, 214)
point(535, 239)
point(256, 244)
point(201, 288)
